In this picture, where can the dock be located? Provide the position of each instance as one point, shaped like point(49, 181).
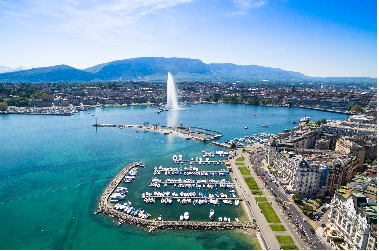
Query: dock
point(105, 208)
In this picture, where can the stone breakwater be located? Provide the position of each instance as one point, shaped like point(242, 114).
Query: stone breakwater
point(105, 208)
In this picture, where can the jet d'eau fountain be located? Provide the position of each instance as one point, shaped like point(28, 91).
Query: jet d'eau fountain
point(172, 99)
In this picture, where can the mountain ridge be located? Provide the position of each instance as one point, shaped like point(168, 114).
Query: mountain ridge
point(156, 68)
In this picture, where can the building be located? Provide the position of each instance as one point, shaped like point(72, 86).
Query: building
point(344, 145)
point(322, 144)
point(354, 213)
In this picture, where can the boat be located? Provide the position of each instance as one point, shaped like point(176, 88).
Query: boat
point(264, 125)
point(186, 216)
point(246, 127)
point(236, 202)
point(181, 217)
point(211, 214)
point(254, 114)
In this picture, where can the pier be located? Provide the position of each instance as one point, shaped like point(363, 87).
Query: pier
point(177, 131)
point(105, 208)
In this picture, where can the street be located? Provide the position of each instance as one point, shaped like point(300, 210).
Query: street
point(303, 228)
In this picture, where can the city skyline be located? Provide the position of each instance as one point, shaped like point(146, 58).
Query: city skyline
point(316, 38)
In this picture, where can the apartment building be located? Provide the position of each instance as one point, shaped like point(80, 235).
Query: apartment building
point(347, 146)
point(354, 213)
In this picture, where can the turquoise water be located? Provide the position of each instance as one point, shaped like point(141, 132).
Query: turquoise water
point(54, 169)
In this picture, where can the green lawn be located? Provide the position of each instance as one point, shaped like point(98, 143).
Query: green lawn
point(290, 247)
point(240, 159)
point(269, 213)
point(284, 239)
point(244, 151)
point(244, 170)
point(277, 228)
point(251, 183)
point(260, 199)
point(256, 192)
point(240, 163)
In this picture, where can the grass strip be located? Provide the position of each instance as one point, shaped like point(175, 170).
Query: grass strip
point(260, 199)
point(284, 239)
point(240, 163)
point(293, 247)
point(240, 159)
point(243, 170)
point(256, 192)
point(269, 213)
point(251, 183)
point(277, 228)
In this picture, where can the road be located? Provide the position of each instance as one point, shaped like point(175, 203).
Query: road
point(304, 227)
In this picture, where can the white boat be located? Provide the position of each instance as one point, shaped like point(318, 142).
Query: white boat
point(174, 158)
point(180, 157)
point(236, 202)
point(181, 217)
point(186, 216)
point(211, 214)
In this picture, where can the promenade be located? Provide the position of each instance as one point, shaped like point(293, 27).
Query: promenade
point(267, 237)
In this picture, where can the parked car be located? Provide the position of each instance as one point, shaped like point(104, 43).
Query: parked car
point(289, 215)
point(296, 223)
point(313, 231)
point(284, 208)
point(323, 225)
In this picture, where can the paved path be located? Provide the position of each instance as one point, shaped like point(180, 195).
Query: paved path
point(268, 234)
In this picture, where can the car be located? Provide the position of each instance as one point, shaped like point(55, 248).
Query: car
point(284, 208)
point(313, 231)
point(296, 223)
point(289, 215)
point(323, 225)
point(275, 195)
point(303, 219)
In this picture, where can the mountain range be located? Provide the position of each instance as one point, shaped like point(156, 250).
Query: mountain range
point(156, 68)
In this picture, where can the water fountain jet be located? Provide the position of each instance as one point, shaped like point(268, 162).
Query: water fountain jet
point(172, 99)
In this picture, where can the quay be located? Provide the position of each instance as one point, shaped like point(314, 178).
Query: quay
point(177, 131)
point(105, 208)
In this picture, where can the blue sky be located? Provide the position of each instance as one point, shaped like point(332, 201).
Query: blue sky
point(317, 38)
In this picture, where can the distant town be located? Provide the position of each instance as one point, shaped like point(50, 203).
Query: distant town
point(333, 97)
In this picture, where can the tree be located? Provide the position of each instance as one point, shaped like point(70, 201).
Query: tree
point(318, 122)
point(349, 108)
point(233, 145)
point(356, 108)
point(3, 106)
point(324, 137)
point(318, 201)
point(323, 121)
point(297, 198)
point(307, 208)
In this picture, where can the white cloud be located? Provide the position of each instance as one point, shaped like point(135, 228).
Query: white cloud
point(247, 4)
point(93, 18)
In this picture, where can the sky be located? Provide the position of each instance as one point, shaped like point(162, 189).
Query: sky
point(318, 38)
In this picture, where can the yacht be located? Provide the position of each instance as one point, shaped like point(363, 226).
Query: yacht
point(211, 214)
point(186, 216)
point(236, 202)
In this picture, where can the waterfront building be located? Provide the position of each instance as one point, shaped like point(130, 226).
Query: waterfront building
point(347, 128)
point(310, 172)
point(354, 213)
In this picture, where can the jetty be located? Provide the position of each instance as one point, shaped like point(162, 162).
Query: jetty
point(105, 208)
point(180, 131)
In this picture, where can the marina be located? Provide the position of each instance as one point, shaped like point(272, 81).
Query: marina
point(125, 213)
